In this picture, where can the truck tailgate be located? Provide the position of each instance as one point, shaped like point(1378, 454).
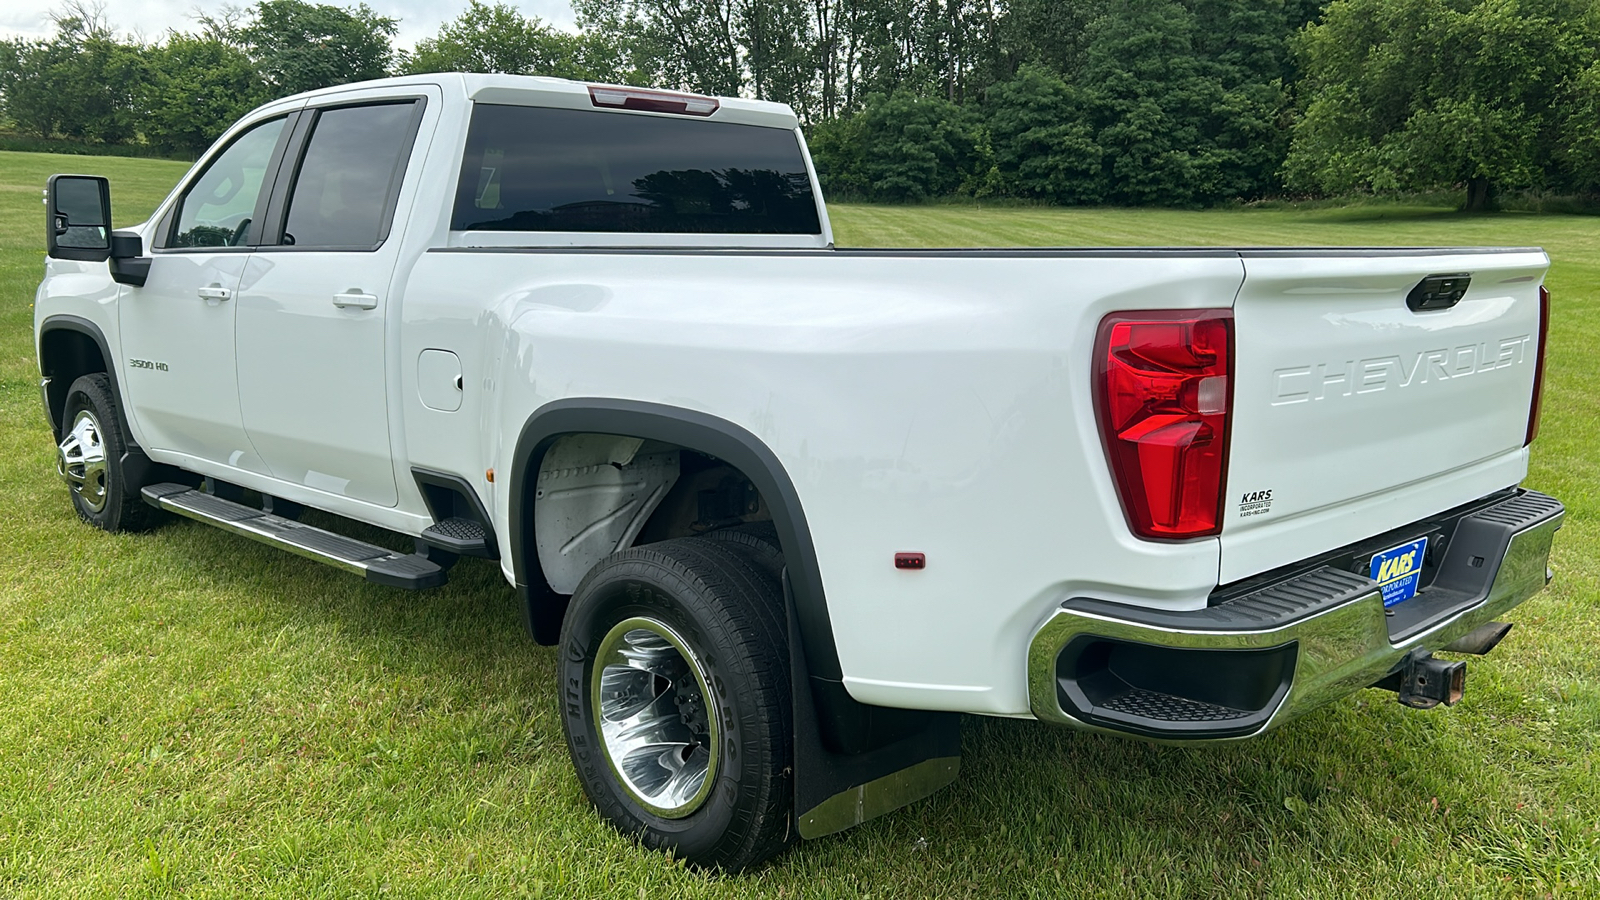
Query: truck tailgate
point(1354, 414)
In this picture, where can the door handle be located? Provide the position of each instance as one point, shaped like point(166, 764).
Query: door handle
point(355, 300)
point(215, 292)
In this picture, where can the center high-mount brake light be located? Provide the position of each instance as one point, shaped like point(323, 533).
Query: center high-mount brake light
point(1164, 389)
point(1538, 366)
point(653, 101)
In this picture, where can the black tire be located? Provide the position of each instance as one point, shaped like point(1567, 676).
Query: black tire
point(758, 539)
point(726, 613)
point(90, 455)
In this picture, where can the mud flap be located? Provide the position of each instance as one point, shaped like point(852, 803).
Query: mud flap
point(854, 762)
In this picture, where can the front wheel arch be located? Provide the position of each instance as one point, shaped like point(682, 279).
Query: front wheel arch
point(71, 347)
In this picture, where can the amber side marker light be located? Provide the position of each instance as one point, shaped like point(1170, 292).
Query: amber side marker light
point(653, 101)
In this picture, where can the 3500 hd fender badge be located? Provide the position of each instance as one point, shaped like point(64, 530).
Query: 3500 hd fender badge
point(148, 364)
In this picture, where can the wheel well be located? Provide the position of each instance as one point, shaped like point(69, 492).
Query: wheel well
point(717, 451)
point(66, 354)
point(708, 494)
point(600, 493)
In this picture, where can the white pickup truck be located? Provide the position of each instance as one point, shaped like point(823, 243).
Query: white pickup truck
point(788, 509)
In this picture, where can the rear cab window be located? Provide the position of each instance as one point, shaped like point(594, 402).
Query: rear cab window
point(537, 171)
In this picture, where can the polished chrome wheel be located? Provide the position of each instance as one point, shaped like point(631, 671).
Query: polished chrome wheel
point(81, 461)
point(657, 717)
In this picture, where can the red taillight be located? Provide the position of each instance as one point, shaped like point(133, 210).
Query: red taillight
point(1538, 366)
point(653, 101)
point(1165, 390)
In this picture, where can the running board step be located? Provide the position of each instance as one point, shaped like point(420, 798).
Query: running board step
point(457, 535)
point(378, 565)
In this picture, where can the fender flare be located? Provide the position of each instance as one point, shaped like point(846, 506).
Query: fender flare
point(543, 608)
point(58, 392)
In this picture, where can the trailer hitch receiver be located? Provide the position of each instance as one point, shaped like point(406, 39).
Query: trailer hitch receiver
point(1425, 682)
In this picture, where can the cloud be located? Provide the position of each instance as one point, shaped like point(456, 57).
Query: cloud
point(152, 18)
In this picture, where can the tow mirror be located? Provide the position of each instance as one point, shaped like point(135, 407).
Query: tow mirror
point(78, 218)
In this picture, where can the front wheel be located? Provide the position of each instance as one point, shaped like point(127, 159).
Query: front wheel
point(89, 459)
point(675, 700)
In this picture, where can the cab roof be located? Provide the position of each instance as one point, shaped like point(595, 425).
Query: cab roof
point(535, 90)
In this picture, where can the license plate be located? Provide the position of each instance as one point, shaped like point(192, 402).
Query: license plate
point(1398, 572)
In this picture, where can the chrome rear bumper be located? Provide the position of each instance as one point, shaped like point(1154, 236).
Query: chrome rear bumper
point(1322, 634)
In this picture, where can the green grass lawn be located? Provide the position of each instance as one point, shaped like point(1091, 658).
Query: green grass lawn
point(186, 713)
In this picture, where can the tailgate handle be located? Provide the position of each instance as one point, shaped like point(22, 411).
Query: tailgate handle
point(1438, 292)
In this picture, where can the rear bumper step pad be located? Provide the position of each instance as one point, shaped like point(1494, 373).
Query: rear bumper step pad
point(378, 565)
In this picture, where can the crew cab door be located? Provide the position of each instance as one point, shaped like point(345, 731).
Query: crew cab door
point(178, 328)
point(312, 311)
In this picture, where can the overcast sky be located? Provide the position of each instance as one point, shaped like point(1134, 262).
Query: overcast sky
point(152, 18)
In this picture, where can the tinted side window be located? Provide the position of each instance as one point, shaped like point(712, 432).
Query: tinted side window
point(348, 177)
point(216, 208)
point(534, 169)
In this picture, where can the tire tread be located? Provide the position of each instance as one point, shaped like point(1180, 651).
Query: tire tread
point(125, 509)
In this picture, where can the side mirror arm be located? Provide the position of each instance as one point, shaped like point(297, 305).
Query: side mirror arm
point(129, 265)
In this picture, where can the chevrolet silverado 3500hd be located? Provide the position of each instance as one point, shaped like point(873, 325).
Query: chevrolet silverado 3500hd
point(786, 509)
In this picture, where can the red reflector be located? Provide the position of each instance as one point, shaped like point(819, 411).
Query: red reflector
point(1164, 384)
point(1538, 366)
point(910, 561)
point(653, 101)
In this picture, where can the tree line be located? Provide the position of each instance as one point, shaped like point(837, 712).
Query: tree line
point(1134, 102)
